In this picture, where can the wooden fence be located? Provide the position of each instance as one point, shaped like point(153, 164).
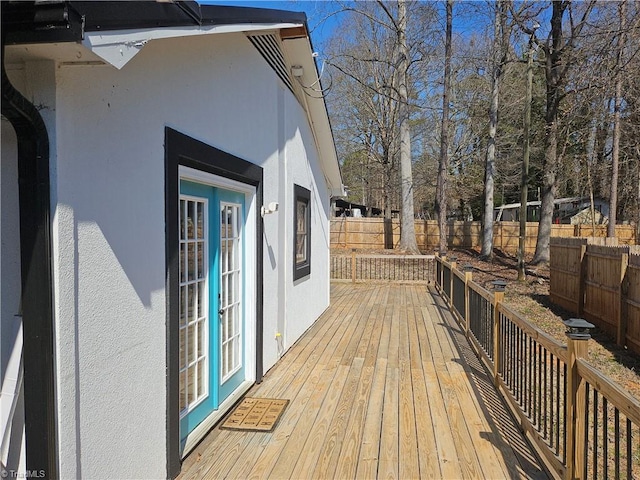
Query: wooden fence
point(581, 422)
point(378, 233)
point(599, 282)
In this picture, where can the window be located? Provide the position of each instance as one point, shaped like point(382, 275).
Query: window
point(301, 233)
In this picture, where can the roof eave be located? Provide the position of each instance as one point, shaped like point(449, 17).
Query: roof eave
point(308, 89)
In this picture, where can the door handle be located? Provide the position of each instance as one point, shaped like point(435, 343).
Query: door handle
point(221, 311)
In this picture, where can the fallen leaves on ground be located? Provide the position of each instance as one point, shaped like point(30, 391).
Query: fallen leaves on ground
point(530, 298)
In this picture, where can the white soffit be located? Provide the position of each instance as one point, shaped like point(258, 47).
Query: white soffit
point(119, 46)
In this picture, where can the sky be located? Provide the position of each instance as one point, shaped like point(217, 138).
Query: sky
point(320, 27)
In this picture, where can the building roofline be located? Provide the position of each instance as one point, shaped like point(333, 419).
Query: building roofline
point(117, 30)
point(67, 21)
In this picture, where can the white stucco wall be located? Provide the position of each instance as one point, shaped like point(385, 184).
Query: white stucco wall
point(310, 294)
point(109, 253)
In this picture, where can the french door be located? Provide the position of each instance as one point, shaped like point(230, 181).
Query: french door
point(213, 364)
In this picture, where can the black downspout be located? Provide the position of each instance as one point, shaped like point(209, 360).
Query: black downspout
point(37, 284)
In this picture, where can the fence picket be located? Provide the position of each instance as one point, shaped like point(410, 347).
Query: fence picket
point(600, 282)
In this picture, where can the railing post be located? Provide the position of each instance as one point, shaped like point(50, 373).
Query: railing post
point(453, 266)
point(499, 287)
point(436, 255)
point(578, 335)
point(353, 265)
point(468, 276)
point(443, 258)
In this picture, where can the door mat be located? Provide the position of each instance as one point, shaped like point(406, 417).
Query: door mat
point(255, 415)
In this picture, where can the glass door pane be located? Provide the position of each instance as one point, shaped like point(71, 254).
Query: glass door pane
point(194, 316)
point(230, 294)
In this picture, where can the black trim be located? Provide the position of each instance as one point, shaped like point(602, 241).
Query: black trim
point(181, 149)
point(29, 22)
point(36, 276)
point(303, 269)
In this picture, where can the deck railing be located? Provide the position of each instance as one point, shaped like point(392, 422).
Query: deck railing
point(401, 268)
point(581, 422)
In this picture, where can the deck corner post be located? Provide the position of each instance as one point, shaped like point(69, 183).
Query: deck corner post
point(578, 335)
point(499, 287)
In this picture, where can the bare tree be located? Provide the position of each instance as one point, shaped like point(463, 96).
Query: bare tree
point(375, 61)
point(443, 167)
point(617, 103)
point(557, 51)
point(500, 46)
point(408, 241)
point(362, 100)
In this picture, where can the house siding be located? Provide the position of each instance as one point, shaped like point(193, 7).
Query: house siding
point(107, 165)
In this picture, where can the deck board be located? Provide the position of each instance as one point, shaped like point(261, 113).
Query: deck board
point(381, 386)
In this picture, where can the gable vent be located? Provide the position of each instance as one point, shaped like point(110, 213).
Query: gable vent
point(269, 47)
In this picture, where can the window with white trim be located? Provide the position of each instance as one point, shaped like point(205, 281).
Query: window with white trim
point(301, 232)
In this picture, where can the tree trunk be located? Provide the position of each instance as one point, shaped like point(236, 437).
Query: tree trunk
point(591, 156)
point(443, 167)
point(553, 75)
point(615, 152)
point(490, 161)
point(408, 241)
point(524, 183)
point(388, 222)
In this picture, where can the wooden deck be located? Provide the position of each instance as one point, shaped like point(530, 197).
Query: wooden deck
point(383, 385)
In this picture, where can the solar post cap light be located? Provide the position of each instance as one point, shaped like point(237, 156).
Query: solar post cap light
point(578, 328)
point(499, 285)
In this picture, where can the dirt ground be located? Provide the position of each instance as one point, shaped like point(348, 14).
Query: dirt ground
point(531, 299)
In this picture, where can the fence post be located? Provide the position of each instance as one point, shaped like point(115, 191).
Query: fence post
point(346, 232)
point(498, 297)
point(468, 276)
point(353, 265)
point(578, 335)
point(622, 292)
point(582, 283)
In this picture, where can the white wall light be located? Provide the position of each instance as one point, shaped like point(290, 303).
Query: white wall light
point(272, 208)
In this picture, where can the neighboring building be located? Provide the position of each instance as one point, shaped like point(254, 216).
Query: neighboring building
point(168, 241)
point(344, 208)
point(571, 210)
